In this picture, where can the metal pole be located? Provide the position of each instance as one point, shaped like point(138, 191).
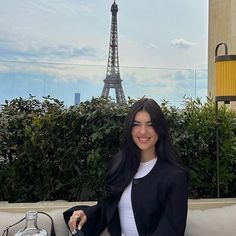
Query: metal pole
point(195, 83)
point(217, 151)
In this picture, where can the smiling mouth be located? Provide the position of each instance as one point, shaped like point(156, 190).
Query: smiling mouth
point(143, 140)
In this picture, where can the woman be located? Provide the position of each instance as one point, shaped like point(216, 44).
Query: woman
point(147, 189)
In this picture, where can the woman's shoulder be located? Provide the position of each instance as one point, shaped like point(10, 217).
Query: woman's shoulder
point(171, 169)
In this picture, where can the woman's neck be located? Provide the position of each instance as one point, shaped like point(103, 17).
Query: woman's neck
point(147, 155)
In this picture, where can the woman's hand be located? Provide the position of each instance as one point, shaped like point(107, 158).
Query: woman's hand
point(77, 217)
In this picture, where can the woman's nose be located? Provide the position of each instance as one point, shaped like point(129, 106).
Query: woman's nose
point(143, 129)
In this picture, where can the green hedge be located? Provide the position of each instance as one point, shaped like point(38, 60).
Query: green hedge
point(50, 152)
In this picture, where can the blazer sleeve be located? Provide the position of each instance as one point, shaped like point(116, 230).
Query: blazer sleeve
point(173, 219)
point(96, 219)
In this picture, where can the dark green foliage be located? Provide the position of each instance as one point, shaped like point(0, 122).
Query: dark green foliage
point(50, 152)
point(193, 130)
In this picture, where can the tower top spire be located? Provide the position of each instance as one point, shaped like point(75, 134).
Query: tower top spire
point(114, 8)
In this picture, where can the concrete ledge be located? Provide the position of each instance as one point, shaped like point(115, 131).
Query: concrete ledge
point(61, 204)
point(208, 203)
point(40, 206)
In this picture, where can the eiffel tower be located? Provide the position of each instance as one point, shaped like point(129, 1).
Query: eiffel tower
point(113, 79)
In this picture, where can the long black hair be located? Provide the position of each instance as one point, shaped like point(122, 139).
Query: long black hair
point(125, 163)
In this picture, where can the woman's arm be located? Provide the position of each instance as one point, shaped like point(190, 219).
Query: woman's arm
point(95, 218)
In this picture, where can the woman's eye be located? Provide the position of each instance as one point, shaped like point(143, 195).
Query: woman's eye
point(134, 124)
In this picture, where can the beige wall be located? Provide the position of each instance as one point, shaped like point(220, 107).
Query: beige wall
point(222, 28)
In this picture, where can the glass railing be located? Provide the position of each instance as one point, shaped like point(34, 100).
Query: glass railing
point(64, 81)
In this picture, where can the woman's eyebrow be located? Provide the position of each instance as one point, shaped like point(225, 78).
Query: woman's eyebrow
point(148, 122)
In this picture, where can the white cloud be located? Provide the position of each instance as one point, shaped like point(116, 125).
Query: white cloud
point(59, 71)
point(151, 46)
point(181, 43)
point(3, 68)
point(67, 53)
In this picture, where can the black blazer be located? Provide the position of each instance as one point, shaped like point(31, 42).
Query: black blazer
point(159, 202)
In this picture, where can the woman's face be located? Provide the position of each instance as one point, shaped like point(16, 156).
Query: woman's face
point(143, 133)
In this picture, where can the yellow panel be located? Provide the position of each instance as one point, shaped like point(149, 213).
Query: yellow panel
point(225, 78)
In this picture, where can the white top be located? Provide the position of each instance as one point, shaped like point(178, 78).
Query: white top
point(127, 221)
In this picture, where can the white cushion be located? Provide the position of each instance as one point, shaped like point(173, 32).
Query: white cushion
point(209, 222)
point(212, 222)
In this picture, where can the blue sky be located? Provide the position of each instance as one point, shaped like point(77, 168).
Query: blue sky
point(60, 47)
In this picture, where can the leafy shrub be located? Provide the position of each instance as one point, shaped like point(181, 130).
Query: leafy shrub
point(50, 152)
point(193, 130)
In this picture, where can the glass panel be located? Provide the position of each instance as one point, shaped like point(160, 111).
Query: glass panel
point(63, 81)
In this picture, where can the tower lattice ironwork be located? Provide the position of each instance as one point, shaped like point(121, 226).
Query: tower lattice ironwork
point(113, 79)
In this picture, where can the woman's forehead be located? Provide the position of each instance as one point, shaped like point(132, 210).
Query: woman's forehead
point(142, 116)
